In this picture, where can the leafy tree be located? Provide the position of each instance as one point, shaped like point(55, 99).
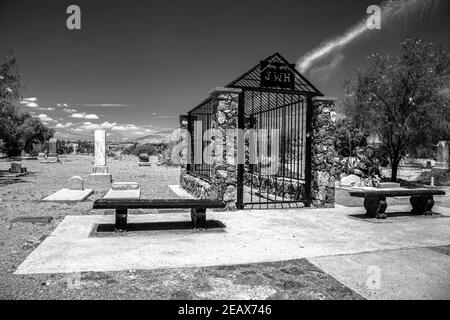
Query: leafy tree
point(18, 130)
point(85, 147)
point(403, 99)
point(349, 137)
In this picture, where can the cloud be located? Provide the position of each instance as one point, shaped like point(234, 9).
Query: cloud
point(70, 110)
point(106, 105)
point(84, 115)
point(64, 126)
point(28, 100)
point(46, 109)
point(138, 133)
point(128, 127)
point(44, 117)
point(89, 126)
point(91, 117)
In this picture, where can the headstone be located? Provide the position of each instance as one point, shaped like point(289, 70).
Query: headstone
point(100, 170)
point(16, 167)
point(100, 152)
point(443, 155)
point(75, 183)
point(52, 151)
point(53, 147)
point(23, 154)
point(143, 157)
point(153, 160)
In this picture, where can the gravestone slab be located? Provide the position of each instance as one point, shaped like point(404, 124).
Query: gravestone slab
point(124, 190)
point(75, 183)
point(123, 194)
point(66, 195)
point(389, 185)
point(125, 186)
point(350, 181)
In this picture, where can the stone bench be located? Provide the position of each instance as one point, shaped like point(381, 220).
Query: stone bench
point(198, 208)
point(375, 200)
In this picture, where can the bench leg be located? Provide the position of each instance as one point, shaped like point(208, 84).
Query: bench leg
point(375, 207)
point(198, 217)
point(121, 220)
point(422, 205)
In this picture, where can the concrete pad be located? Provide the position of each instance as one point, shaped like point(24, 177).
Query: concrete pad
point(178, 192)
point(400, 274)
point(125, 186)
point(66, 195)
point(123, 194)
point(250, 236)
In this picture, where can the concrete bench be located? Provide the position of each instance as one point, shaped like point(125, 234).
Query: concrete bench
point(375, 200)
point(198, 208)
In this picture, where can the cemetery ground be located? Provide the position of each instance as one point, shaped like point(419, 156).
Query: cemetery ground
point(416, 251)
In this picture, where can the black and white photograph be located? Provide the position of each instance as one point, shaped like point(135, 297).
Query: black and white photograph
point(224, 155)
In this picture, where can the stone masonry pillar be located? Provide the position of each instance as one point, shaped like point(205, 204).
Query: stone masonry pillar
point(323, 154)
point(185, 141)
point(224, 154)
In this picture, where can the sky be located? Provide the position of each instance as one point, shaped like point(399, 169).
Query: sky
point(135, 65)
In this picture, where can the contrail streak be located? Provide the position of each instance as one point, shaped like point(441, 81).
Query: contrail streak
point(389, 11)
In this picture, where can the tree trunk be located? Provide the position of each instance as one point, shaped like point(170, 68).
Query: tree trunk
point(395, 164)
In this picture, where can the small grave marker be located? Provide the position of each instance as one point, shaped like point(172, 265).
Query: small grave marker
point(75, 183)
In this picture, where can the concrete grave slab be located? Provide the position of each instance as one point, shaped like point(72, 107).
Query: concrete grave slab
point(125, 186)
point(417, 273)
point(66, 195)
point(178, 192)
point(250, 236)
point(123, 194)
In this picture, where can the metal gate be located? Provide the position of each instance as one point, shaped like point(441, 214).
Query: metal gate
point(275, 168)
point(274, 110)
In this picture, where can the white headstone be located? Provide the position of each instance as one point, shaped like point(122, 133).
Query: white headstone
point(100, 147)
point(443, 155)
point(75, 183)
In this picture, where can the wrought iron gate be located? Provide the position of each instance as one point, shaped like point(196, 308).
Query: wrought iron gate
point(274, 173)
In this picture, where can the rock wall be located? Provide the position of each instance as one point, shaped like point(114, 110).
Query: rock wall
point(199, 188)
point(223, 157)
point(224, 175)
point(324, 159)
point(287, 188)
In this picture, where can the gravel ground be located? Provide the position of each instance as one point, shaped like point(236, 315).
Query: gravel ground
point(297, 279)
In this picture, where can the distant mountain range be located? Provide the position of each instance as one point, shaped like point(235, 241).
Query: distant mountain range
point(156, 138)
